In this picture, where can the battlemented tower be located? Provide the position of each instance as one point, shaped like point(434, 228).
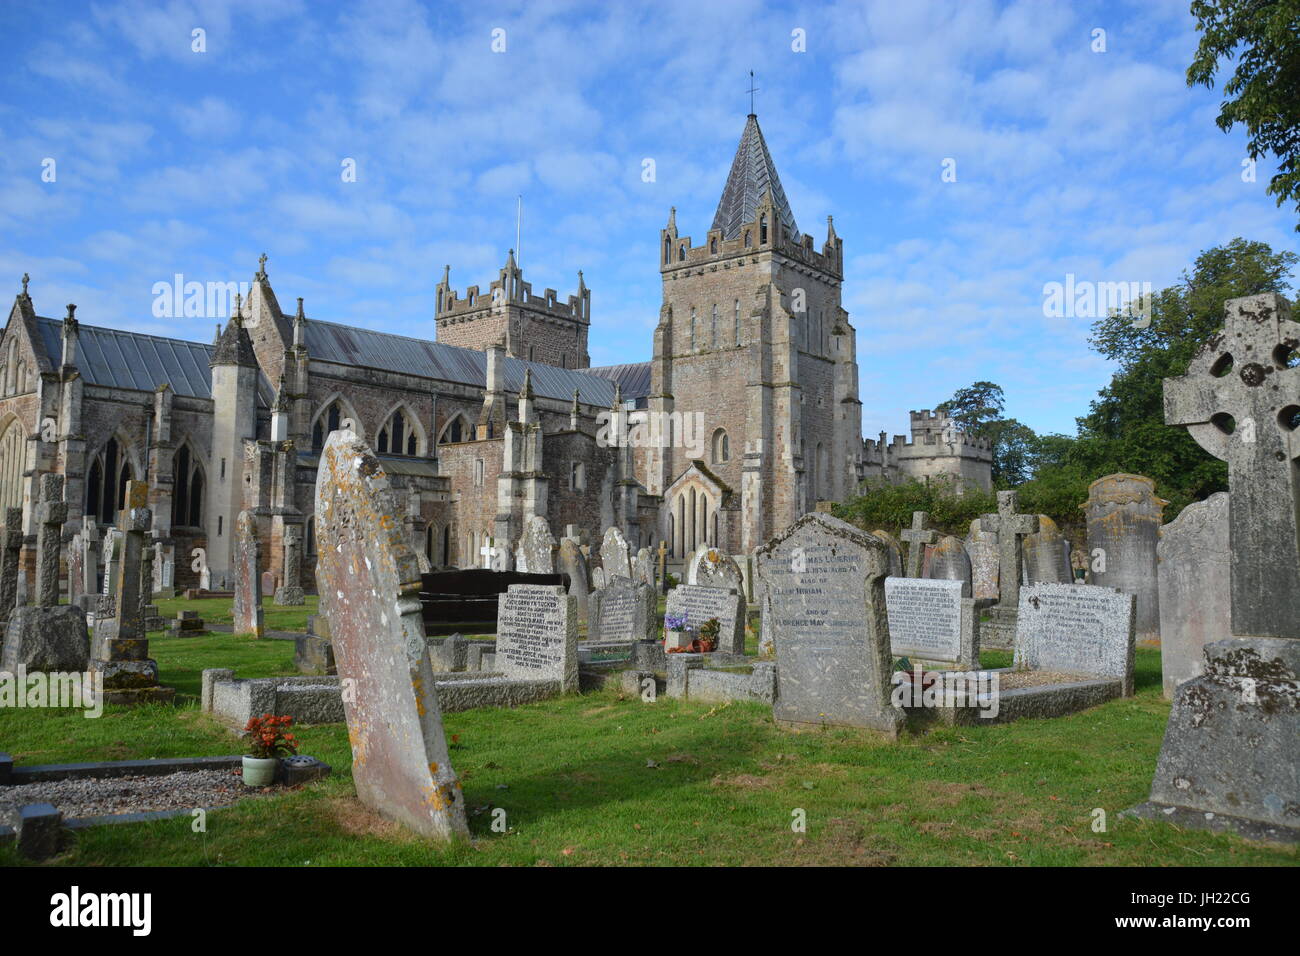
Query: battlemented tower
point(536, 328)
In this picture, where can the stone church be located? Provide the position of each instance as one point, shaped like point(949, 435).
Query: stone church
point(746, 415)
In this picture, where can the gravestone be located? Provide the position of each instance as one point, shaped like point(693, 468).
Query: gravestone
point(826, 582)
point(1240, 401)
point(932, 623)
point(917, 537)
point(1076, 629)
point(112, 559)
point(699, 603)
point(248, 579)
point(615, 556)
point(537, 635)
point(1046, 560)
point(89, 558)
point(894, 551)
point(643, 568)
point(537, 547)
point(369, 583)
point(571, 561)
point(146, 575)
point(1009, 526)
point(290, 594)
point(598, 580)
point(76, 569)
point(10, 558)
point(51, 513)
point(1193, 573)
point(623, 610)
point(712, 568)
point(1124, 517)
point(164, 569)
point(119, 649)
point(950, 562)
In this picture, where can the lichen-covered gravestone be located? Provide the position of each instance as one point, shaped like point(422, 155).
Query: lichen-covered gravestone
point(1010, 527)
point(712, 568)
point(1124, 516)
point(10, 555)
point(917, 537)
point(248, 579)
point(615, 555)
point(369, 584)
point(700, 603)
point(571, 561)
point(623, 610)
point(1045, 555)
point(1078, 629)
point(1228, 759)
point(895, 552)
point(537, 634)
point(643, 568)
point(950, 562)
point(1194, 573)
point(290, 593)
point(537, 547)
point(826, 587)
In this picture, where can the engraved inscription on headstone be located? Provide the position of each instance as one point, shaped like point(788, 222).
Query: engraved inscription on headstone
point(924, 617)
point(537, 634)
point(1076, 629)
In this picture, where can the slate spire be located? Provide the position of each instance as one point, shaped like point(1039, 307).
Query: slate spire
point(752, 174)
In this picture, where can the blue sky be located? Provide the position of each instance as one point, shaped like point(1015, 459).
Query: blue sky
point(1100, 164)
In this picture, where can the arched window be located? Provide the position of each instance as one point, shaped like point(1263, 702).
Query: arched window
point(681, 253)
point(454, 431)
point(747, 242)
point(106, 486)
point(668, 250)
point(713, 245)
point(737, 321)
point(327, 421)
point(721, 446)
point(714, 339)
point(762, 229)
point(13, 447)
point(397, 437)
point(187, 490)
point(692, 329)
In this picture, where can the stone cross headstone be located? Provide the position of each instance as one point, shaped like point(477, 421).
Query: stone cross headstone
point(537, 634)
point(51, 513)
point(1046, 559)
point(950, 562)
point(571, 561)
point(369, 584)
point(982, 547)
point(10, 559)
point(290, 593)
point(537, 546)
point(615, 555)
point(826, 585)
point(1076, 629)
point(1193, 572)
point(1240, 401)
point(1124, 517)
point(917, 537)
point(932, 623)
point(248, 578)
point(894, 551)
point(1010, 527)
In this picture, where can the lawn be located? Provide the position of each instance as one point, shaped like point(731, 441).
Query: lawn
point(604, 779)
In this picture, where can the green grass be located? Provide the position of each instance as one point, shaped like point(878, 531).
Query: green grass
point(219, 611)
point(605, 780)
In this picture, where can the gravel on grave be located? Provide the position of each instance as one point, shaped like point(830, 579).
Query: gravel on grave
point(100, 796)
point(1017, 679)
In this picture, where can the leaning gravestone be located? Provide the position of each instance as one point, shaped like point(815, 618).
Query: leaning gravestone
point(623, 610)
point(369, 583)
point(895, 551)
point(1076, 629)
point(950, 562)
point(826, 582)
point(931, 623)
point(1228, 760)
point(537, 634)
point(1193, 572)
point(615, 555)
point(982, 547)
point(1045, 556)
point(1124, 517)
point(571, 561)
point(700, 603)
point(248, 582)
point(712, 568)
point(537, 547)
point(643, 568)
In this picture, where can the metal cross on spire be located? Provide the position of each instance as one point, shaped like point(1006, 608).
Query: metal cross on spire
point(752, 90)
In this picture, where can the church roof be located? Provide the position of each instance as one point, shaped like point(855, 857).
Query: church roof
point(752, 174)
point(348, 345)
point(633, 379)
point(117, 359)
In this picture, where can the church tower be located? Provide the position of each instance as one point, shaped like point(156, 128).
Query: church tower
point(754, 369)
point(530, 327)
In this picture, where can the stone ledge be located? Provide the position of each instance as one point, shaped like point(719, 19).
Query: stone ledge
point(118, 768)
point(1048, 700)
point(1218, 822)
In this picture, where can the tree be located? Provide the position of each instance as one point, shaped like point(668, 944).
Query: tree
point(977, 410)
point(1264, 90)
point(1125, 428)
point(975, 407)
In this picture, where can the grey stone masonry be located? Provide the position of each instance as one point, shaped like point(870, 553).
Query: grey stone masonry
point(917, 537)
point(1078, 629)
point(10, 556)
point(369, 583)
point(1124, 517)
point(1194, 573)
point(51, 514)
point(290, 593)
point(826, 582)
point(248, 578)
point(537, 634)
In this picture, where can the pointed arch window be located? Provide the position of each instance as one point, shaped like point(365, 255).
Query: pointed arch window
point(737, 309)
point(106, 486)
point(747, 241)
point(455, 431)
point(397, 437)
point(668, 250)
point(692, 329)
point(714, 339)
point(327, 421)
point(187, 489)
point(681, 253)
point(762, 229)
point(12, 459)
point(721, 446)
point(713, 245)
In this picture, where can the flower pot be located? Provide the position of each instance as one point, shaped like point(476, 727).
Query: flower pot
point(706, 647)
point(260, 771)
